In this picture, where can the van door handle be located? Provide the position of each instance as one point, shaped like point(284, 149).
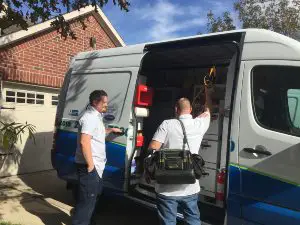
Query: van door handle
point(205, 144)
point(257, 151)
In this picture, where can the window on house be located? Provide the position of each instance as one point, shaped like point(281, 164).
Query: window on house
point(54, 99)
point(40, 99)
point(21, 94)
point(10, 96)
point(20, 100)
point(30, 98)
point(23, 97)
point(276, 96)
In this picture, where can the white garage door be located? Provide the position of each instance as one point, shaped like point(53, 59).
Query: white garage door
point(35, 105)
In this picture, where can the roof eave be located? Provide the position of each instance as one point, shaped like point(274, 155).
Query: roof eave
point(39, 28)
point(108, 27)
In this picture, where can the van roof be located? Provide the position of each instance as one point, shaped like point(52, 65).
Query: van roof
point(290, 48)
point(252, 35)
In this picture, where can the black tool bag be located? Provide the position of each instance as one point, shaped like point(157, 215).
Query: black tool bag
point(175, 166)
point(198, 165)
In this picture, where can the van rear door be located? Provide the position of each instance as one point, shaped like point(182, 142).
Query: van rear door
point(115, 71)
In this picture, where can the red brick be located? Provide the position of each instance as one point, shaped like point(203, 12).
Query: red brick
point(31, 78)
point(49, 52)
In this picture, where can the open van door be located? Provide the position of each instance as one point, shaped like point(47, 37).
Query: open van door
point(115, 71)
point(269, 144)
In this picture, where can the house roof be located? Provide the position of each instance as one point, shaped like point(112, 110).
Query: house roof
point(11, 29)
point(14, 28)
point(16, 34)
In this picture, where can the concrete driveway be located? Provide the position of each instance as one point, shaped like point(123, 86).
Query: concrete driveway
point(41, 198)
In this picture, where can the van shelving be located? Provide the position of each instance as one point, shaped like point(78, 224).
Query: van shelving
point(165, 96)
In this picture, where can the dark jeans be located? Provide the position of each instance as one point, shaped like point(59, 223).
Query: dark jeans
point(167, 209)
point(90, 186)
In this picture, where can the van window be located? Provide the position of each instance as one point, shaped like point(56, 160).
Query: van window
point(294, 107)
point(81, 85)
point(275, 97)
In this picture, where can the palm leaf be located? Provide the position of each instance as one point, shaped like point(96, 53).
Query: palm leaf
point(11, 133)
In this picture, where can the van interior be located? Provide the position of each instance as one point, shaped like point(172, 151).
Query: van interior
point(175, 72)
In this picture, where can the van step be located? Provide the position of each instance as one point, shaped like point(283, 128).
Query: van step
point(153, 206)
point(141, 202)
point(209, 213)
point(149, 192)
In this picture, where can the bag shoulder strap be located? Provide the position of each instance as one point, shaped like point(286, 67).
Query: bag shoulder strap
point(185, 141)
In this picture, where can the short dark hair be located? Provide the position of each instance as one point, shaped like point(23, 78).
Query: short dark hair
point(183, 104)
point(97, 96)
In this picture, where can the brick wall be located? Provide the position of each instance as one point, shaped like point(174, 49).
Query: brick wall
point(44, 58)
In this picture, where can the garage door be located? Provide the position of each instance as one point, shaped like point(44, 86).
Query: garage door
point(35, 105)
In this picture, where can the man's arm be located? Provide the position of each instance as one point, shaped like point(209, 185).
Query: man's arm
point(87, 127)
point(206, 115)
point(208, 101)
point(159, 137)
point(85, 142)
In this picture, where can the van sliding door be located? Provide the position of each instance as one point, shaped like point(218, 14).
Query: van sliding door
point(269, 150)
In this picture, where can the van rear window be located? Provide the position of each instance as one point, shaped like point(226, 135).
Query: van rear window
point(115, 84)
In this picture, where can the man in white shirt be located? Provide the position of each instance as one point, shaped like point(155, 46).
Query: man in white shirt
point(90, 157)
point(170, 135)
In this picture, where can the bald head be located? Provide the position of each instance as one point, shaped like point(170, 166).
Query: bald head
point(183, 106)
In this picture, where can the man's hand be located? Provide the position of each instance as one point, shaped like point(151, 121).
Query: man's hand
point(85, 142)
point(155, 145)
point(90, 168)
point(114, 130)
point(204, 115)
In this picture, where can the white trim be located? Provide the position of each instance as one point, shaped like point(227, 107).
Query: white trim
point(31, 85)
point(16, 36)
point(108, 27)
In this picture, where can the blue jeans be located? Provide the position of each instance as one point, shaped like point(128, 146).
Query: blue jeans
point(167, 209)
point(90, 187)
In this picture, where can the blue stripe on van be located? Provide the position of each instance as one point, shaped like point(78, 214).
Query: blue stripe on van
point(66, 143)
point(270, 189)
point(262, 199)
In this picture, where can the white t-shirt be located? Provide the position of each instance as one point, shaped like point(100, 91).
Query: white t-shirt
point(91, 123)
point(171, 135)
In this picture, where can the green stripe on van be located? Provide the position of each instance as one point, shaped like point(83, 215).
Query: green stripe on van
point(118, 143)
point(264, 174)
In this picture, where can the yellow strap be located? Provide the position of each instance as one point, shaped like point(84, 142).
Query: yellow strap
point(212, 71)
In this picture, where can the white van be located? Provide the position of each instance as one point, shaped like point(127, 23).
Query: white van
point(251, 149)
